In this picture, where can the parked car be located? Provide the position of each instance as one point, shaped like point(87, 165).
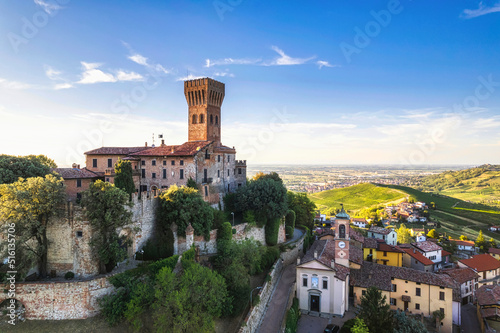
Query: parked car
point(331, 328)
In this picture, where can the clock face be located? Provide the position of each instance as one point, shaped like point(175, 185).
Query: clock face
point(341, 245)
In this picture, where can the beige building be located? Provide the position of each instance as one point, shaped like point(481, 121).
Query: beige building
point(485, 265)
point(76, 181)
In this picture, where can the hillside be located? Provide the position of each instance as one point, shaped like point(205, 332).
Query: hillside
point(356, 197)
point(479, 185)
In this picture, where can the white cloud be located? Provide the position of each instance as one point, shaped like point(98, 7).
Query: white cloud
point(480, 11)
point(61, 86)
point(322, 63)
point(141, 60)
point(189, 77)
point(52, 73)
point(49, 8)
point(128, 76)
point(485, 123)
point(93, 75)
point(14, 84)
point(285, 60)
point(230, 61)
point(223, 74)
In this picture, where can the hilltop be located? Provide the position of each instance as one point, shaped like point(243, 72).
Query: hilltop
point(480, 184)
point(356, 197)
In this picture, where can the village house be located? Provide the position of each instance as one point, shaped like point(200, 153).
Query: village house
point(416, 260)
point(494, 252)
point(431, 251)
point(466, 247)
point(359, 222)
point(410, 290)
point(76, 180)
point(485, 265)
point(494, 228)
point(377, 251)
point(488, 302)
point(388, 235)
point(467, 279)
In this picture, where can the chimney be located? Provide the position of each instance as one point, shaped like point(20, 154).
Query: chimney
point(162, 142)
point(298, 261)
point(78, 166)
point(332, 263)
point(145, 144)
point(315, 254)
point(73, 165)
point(173, 149)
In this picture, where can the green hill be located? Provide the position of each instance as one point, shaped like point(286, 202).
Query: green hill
point(479, 185)
point(356, 197)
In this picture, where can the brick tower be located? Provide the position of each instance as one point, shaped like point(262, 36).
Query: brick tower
point(204, 98)
point(342, 221)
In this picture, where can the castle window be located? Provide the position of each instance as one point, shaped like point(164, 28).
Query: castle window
point(239, 184)
point(79, 234)
point(216, 120)
point(107, 179)
point(172, 162)
point(153, 162)
point(211, 119)
point(228, 158)
point(181, 173)
point(441, 296)
point(218, 173)
point(228, 173)
point(203, 94)
point(218, 158)
point(206, 191)
point(94, 163)
point(78, 183)
point(153, 175)
point(110, 163)
point(164, 173)
point(417, 306)
point(164, 162)
point(143, 173)
point(194, 119)
point(417, 292)
point(78, 197)
point(181, 162)
point(239, 171)
point(202, 119)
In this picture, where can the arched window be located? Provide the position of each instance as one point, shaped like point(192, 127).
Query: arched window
point(202, 120)
point(216, 120)
point(211, 119)
point(342, 231)
point(194, 119)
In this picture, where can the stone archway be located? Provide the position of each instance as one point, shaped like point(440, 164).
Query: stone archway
point(12, 311)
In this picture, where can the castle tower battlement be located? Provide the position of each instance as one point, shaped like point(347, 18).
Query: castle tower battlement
point(204, 98)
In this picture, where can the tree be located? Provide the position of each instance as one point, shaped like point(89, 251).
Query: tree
point(290, 218)
point(359, 326)
point(481, 242)
point(29, 204)
point(182, 206)
point(405, 324)
point(273, 175)
point(432, 234)
point(438, 316)
point(265, 196)
point(375, 311)
point(123, 176)
point(107, 211)
point(464, 238)
point(188, 303)
point(42, 159)
point(14, 167)
point(191, 183)
point(492, 244)
point(304, 209)
point(432, 205)
point(403, 234)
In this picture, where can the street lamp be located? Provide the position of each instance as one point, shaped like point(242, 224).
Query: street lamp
point(251, 295)
point(233, 218)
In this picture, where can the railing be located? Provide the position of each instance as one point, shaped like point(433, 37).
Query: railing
point(206, 180)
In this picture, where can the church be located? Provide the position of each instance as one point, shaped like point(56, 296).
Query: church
point(203, 158)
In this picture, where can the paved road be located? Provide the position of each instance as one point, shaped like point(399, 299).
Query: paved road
point(271, 322)
point(470, 323)
point(297, 233)
point(311, 324)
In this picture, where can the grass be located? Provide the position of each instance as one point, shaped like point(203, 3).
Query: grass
point(356, 197)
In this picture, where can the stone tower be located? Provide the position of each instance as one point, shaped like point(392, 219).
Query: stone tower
point(342, 221)
point(204, 98)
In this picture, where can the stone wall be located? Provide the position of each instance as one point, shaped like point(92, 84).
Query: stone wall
point(61, 300)
point(251, 323)
point(294, 250)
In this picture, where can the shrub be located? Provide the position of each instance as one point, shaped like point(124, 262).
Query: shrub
point(249, 217)
point(290, 219)
point(269, 257)
point(289, 232)
point(292, 317)
point(113, 306)
point(219, 218)
point(225, 232)
point(69, 275)
point(272, 230)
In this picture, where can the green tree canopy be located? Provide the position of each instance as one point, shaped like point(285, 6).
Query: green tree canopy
point(273, 175)
point(123, 176)
point(107, 211)
point(14, 167)
point(405, 324)
point(29, 204)
point(359, 326)
point(403, 234)
point(304, 209)
point(191, 183)
point(375, 311)
point(184, 205)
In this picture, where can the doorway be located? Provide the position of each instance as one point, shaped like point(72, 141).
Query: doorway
point(314, 303)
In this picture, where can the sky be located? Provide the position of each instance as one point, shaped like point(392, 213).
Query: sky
point(317, 82)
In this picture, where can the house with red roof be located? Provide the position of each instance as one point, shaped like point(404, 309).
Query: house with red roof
point(485, 265)
point(416, 260)
point(468, 281)
point(467, 247)
point(431, 251)
point(494, 252)
point(77, 180)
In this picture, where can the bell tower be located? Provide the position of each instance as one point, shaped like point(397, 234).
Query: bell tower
point(204, 98)
point(342, 238)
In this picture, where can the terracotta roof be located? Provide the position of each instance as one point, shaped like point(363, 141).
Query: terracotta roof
point(186, 149)
point(370, 243)
point(481, 262)
point(356, 235)
point(115, 150)
point(494, 250)
point(374, 275)
point(388, 248)
point(380, 230)
point(74, 173)
point(463, 243)
point(445, 253)
point(418, 256)
point(356, 255)
point(326, 253)
point(358, 219)
point(488, 295)
point(427, 246)
point(461, 275)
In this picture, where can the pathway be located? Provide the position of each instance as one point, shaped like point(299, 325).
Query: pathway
point(275, 311)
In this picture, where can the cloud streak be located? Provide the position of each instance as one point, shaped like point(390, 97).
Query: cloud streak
point(92, 74)
point(49, 8)
point(480, 11)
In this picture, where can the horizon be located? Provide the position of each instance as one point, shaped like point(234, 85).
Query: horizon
point(400, 83)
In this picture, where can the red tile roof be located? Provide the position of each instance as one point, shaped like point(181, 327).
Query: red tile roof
point(356, 235)
point(380, 230)
point(356, 255)
point(115, 150)
point(186, 149)
point(74, 173)
point(481, 263)
point(488, 295)
point(388, 248)
point(418, 256)
point(326, 253)
point(461, 275)
point(463, 243)
point(427, 246)
point(494, 250)
point(445, 253)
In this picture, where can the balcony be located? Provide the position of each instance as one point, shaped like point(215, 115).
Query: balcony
point(206, 180)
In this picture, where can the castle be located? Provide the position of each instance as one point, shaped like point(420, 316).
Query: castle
point(203, 157)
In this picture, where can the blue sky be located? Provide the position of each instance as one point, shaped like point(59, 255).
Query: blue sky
point(322, 82)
